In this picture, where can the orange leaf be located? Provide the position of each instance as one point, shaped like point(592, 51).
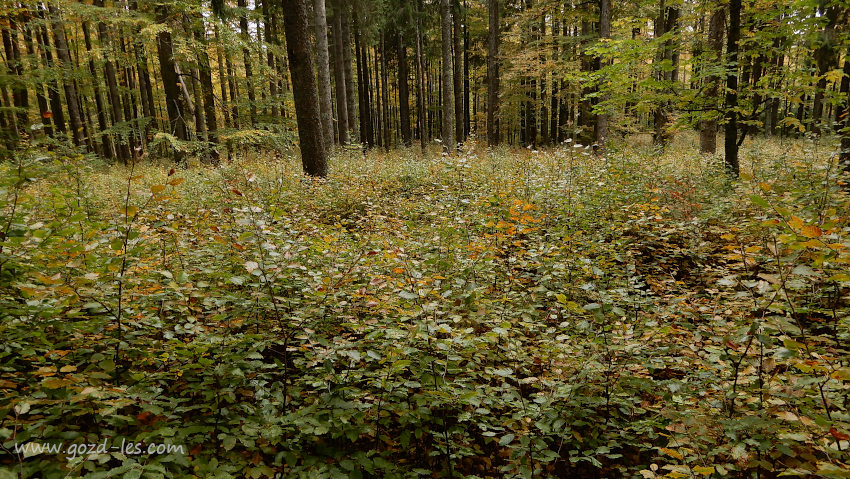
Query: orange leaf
point(839, 435)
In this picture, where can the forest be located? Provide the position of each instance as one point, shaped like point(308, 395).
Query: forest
point(424, 238)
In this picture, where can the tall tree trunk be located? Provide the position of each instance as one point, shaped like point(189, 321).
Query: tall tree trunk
point(106, 149)
point(387, 135)
point(207, 88)
point(361, 84)
point(466, 88)
point(52, 88)
point(553, 107)
point(123, 148)
point(586, 117)
point(826, 59)
point(20, 95)
point(421, 114)
point(246, 56)
point(844, 154)
point(604, 33)
point(222, 79)
point(145, 81)
point(493, 133)
point(708, 126)
point(324, 70)
point(403, 92)
point(271, 40)
point(447, 83)
point(174, 102)
point(339, 80)
point(731, 140)
point(43, 107)
point(65, 63)
point(296, 28)
point(349, 76)
point(457, 63)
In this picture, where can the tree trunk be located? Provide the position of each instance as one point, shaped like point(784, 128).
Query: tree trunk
point(123, 148)
point(731, 140)
point(844, 155)
point(296, 28)
point(106, 149)
point(457, 63)
point(271, 40)
point(403, 92)
point(708, 126)
point(174, 102)
point(20, 96)
point(65, 63)
point(447, 83)
point(222, 79)
point(385, 104)
point(604, 33)
point(339, 79)
point(349, 76)
point(52, 88)
point(493, 74)
point(324, 70)
point(586, 117)
point(826, 59)
point(246, 56)
point(207, 89)
point(43, 108)
point(421, 114)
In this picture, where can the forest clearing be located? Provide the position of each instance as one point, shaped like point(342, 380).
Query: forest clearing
point(424, 238)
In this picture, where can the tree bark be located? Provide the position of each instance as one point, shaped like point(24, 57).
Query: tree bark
point(826, 60)
point(175, 105)
point(20, 95)
point(493, 133)
point(43, 108)
point(324, 70)
point(246, 56)
point(65, 63)
point(123, 148)
point(447, 80)
point(604, 33)
point(106, 149)
point(296, 29)
point(731, 140)
point(844, 154)
point(349, 76)
point(421, 114)
point(52, 88)
point(708, 126)
point(403, 92)
point(207, 89)
point(339, 80)
point(457, 70)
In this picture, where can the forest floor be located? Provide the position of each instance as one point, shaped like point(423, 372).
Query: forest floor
point(495, 314)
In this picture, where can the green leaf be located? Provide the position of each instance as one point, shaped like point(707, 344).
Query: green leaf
point(506, 439)
point(759, 201)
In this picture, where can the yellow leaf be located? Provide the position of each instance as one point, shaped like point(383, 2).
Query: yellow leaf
point(157, 189)
point(704, 470)
point(765, 186)
point(795, 222)
point(811, 231)
point(68, 369)
point(176, 181)
point(671, 452)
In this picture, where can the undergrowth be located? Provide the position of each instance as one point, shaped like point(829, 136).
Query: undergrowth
point(507, 313)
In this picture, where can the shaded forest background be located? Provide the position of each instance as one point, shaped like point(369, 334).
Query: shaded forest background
point(124, 78)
